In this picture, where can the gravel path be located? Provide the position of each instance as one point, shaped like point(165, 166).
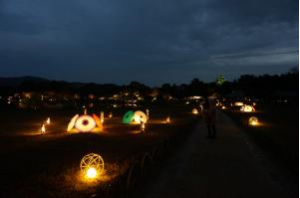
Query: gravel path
point(226, 167)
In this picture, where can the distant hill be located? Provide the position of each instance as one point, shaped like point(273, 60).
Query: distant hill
point(17, 81)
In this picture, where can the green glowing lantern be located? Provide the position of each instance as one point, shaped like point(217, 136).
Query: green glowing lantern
point(127, 118)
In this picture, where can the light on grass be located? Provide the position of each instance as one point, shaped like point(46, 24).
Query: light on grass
point(143, 127)
point(253, 121)
point(48, 121)
point(92, 166)
point(43, 129)
point(195, 111)
point(91, 173)
point(168, 120)
point(102, 117)
point(247, 108)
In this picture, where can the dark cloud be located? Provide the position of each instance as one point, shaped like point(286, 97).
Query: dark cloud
point(150, 41)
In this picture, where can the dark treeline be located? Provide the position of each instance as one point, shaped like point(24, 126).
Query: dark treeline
point(264, 86)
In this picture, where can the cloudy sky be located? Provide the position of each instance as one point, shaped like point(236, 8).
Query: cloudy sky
point(154, 42)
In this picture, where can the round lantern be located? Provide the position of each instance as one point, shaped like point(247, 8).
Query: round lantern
point(92, 165)
point(127, 118)
point(139, 117)
point(195, 111)
point(85, 123)
point(253, 121)
point(247, 108)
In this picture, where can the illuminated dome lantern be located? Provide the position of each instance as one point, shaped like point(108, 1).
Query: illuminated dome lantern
point(247, 108)
point(238, 104)
point(127, 118)
point(92, 166)
point(85, 123)
point(139, 117)
point(136, 117)
point(253, 121)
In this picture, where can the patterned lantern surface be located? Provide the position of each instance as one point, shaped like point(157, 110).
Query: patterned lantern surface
point(92, 165)
point(85, 123)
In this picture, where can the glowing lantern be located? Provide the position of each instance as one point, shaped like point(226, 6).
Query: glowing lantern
point(223, 107)
point(110, 115)
point(85, 123)
point(102, 117)
point(253, 121)
point(92, 165)
point(48, 121)
point(147, 112)
point(238, 104)
point(195, 111)
point(139, 117)
point(43, 129)
point(85, 111)
point(127, 118)
point(247, 108)
point(143, 127)
point(168, 120)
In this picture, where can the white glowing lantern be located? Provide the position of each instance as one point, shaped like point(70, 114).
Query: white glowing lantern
point(139, 117)
point(247, 108)
point(43, 129)
point(102, 117)
point(92, 166)
point(48, 121)
point(143, 127)
point(85, 123)
point(224, 107)
point(238, 104)
point(147, 112)
point(168, 120)
point(195, 111)
point(110, 115)
point(253, 121)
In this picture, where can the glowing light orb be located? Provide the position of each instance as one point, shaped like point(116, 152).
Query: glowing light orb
point(91, 173)
point(224, 107)
point(247, 108)
point(253, 121)
point(92, 165)
point(110, 115)
point(195, 111)
point(85, 123)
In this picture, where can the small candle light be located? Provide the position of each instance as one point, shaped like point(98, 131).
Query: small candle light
point(43, 129)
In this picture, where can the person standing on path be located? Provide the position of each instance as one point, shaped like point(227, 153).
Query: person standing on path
point(209, 113)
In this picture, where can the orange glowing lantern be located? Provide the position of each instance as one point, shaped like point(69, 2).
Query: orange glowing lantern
point(43, 129)
point(168, 120)
point(85, 123)
point(48, 121)
point(139, 117)
point(247, 108)
point(92, 166)
point(253, 121)
point(195, 111)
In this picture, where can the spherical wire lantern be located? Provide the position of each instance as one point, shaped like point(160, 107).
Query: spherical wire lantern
point(92, 165)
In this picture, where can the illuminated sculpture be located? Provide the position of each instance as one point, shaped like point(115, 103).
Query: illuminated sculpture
point(247, 108)
point(92, 165)
point(136, 117)
point(195, 111)
point(168, 120)
point(139, 117)
point(85, 123)
point(253, 121)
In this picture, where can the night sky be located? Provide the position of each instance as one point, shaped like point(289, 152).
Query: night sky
point(153, 42)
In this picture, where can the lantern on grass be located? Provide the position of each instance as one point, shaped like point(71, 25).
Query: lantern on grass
point(102, 117)
point(48, 121)
point(195, 111)
point(253, 121)
point(43, 129)
point(168, 120)
point(143, 127)
point(139, 117)
point(110, 115)
point(127, 117)
point(247, 108)
point(85, 123)
point(92, 166)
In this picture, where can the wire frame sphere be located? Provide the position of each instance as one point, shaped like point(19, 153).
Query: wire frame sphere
point(92, 161)
point(253, 121)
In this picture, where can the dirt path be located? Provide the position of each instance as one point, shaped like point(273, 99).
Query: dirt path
point(228, 166)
